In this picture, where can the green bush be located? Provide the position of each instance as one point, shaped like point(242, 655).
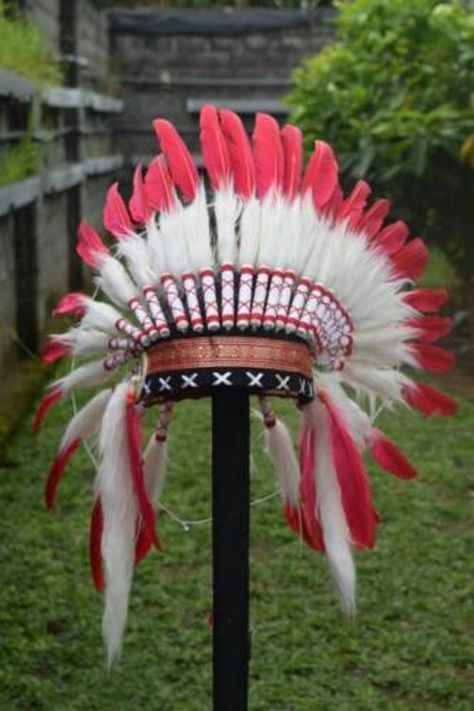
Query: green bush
point(395, 97)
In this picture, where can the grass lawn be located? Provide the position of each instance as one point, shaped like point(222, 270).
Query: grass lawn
point(410, 646)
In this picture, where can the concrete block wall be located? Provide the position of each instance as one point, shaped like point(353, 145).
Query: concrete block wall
point(159, 73)
point(7, 287)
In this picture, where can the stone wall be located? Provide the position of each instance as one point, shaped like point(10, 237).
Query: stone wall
point(166, 73)
point(92, 36)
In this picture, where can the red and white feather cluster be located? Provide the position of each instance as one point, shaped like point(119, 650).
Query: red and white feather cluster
point(278, 247)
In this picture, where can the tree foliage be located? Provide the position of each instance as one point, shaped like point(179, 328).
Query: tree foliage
point(395, 96)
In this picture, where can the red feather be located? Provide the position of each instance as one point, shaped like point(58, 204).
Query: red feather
point(56, 472)
point(268, 155)
point(139, 209)
point(354, 204)
point(240, 153)
point(333, 207)
point(392, 238)
point(389, 457)
point(426, 300)
point(321, 175)
point(71, 303)
point(292, 144)
point(410, 261)
point(353, 481)
point(308, 520)
point(89, 244)
point(430, 328)
point(432, 358)
point(214, 148)
point(159, 188)
point(428, 400)
point(116, 218)
point(372, 220)
point(136, 468)
point(54, 349)
point(143, 545)
point(95, 545)
point(179, 159)
point(51, 398)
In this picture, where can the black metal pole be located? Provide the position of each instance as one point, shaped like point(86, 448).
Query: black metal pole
point(230, 530)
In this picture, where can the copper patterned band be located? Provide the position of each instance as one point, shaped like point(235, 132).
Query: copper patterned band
point(229, 352)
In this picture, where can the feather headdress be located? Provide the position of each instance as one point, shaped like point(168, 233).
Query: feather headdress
point(262, 275)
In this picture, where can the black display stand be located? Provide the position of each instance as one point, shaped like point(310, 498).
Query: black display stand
point(230, 531)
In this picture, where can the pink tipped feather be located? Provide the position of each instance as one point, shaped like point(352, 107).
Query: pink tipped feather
point(179, 159)
point(89, 245)
point(116, 218)
point(392, 238)
point(95, 545)
point(214, 148)
point(72, 303)
point(389, 457)
point(426, 300)
point(431, 358)
point(136, 468)
point(50, 399)
point(353, 206)
point(159, 189)
point(410, 261)
point(56, 472)
point(353, 481)
point(321, 176)
point(292, 143)
point(240, 154)
point(268, 155)
point(54, 349)
point(430, 328)
point(372, 220)
point(429, 400)
point(139, 209)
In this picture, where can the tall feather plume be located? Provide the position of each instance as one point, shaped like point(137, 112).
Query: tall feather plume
point(217, 162)
point(292, 144)
point(429, 400)
point(120, 510)
point(179, 158)
point(138, 204)
point(389, 456)
point(321, 175)
point(240, 154)
point(159, 189)
point(268, 155)
point(330, 509)
point(353, 206)
point(116, 218)
point(426, 300)
point(90, 247)
point(353, 481)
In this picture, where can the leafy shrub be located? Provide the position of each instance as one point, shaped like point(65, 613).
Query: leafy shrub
point(394, 96)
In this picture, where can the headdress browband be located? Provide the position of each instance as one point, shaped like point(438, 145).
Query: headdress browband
point(271, 280)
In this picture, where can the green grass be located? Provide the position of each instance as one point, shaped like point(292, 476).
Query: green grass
point(410, 646)
point(20, 162)
point(23, 49)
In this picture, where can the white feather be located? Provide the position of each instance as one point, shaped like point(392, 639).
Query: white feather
point(249, 232)
point(282, 454)
point(86, 375)
point(115, 282)
point(330, 511)
point(87, 420)
point(155, 463)
point(197, 232)
point(114, 486)
point(227, 208)
point(135, 250)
